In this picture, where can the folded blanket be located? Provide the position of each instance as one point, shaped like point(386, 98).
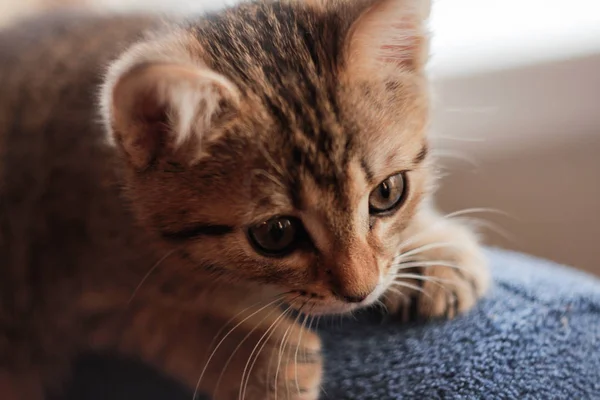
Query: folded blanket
point(536, 335)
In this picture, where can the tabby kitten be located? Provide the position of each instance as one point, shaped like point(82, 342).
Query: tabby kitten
point(266, 159)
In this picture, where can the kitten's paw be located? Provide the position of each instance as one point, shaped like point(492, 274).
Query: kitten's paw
point(293, 372)
point(447, 290)
point(300, 380)
point(442, 281)
point(301, 370)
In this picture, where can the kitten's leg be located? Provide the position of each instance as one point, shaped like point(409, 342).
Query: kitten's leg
point(266, 356)
point(442, 269)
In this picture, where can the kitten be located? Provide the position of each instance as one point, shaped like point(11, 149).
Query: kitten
point(266, 159)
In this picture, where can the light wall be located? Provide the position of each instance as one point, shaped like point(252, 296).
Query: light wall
point(517, 120)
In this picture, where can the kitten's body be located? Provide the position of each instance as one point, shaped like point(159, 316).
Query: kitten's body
point(84, 262)
point(60, 199)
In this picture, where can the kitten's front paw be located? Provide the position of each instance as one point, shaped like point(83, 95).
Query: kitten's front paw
point(300, 379)
point(293, 372)
point(448, 290)
point(444, 280)
point(301, 371)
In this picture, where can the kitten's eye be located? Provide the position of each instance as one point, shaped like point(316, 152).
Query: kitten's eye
point(275, 237)
point(387, 195)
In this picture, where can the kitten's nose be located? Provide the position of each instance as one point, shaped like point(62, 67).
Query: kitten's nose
point(353, 273)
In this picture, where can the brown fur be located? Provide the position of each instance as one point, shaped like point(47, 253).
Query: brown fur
point(136, 241)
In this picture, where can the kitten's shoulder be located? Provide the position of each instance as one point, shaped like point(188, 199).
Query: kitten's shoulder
point(51, 68)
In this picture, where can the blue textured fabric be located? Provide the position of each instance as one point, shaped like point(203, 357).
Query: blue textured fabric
point(535, 336)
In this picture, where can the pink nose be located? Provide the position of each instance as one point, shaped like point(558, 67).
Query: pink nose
point(352, 272)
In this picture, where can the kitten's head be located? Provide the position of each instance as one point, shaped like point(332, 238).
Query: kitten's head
point(281, 142)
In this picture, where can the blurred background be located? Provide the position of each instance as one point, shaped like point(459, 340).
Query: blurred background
point(516, 117)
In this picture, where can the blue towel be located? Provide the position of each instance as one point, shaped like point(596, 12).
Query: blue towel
point(535, 335)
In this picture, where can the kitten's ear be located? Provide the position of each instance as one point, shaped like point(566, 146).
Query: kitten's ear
point(389, 35)
point(165, 110)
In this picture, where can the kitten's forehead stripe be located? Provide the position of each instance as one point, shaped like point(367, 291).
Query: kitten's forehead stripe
point(289, 60)
point(290, 57)
point(369, 174)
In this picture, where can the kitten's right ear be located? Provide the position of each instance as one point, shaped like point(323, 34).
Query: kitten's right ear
point(162, 109)
point(390, 35)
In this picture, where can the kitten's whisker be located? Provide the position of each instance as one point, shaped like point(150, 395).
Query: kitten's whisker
point(283, 346)
point(384, 308)
point(449, 154)
point(410, 259)
point(268, 332)
point(245, 381)
point(279, 357)
point(398, 292)
point(411, 286)
point(437, 281)
point(156, 265)
point(262, 301)
point(427, 264)
point(298, 348)
point(381, 305)
point(271, 358)
point(317, 330)
point(455, 214)
point(476, 210)
point(238, 347)
point(288, 312)
point(441, 173)
point(312, 319)
point(423, 278)
point(421, 249)
point(403, 295)
point(212, 354)
point(482, 223)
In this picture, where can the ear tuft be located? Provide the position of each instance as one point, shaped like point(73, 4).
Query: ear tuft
point(389, 35)
point(161, 109)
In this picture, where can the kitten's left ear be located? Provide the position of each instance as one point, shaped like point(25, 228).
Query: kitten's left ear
point(389, 35)
point(164, 105)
